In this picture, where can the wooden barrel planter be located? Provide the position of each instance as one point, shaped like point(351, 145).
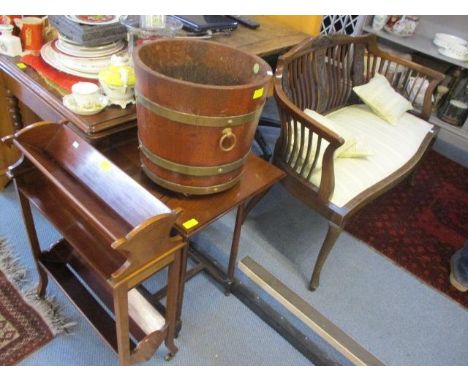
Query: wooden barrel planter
point(198, 105)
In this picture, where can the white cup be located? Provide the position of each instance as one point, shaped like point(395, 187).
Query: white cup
point(86, 94)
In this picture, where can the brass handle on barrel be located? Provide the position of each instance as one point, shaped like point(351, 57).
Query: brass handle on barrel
point(227, 135)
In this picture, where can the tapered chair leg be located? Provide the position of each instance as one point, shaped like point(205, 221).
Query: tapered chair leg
point(332, 234)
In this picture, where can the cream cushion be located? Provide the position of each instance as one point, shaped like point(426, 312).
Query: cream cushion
point(351, 148)
point(392, 147)
point(384, 101)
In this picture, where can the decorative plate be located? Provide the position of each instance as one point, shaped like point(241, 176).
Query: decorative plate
point(49, 57)
point(65, 49)
point(94, 19)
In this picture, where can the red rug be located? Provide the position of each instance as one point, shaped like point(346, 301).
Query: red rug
point(421, 226)
point(26, 322)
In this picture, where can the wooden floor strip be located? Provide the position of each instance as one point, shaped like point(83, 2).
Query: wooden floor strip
point(326, 329)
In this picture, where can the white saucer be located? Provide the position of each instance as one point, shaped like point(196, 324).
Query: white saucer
point(69, 102)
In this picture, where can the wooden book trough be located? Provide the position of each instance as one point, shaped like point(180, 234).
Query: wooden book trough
point(115, 236)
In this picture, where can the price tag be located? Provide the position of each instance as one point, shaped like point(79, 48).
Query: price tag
point(257, 93)
point(105, 165)
point(190, 223)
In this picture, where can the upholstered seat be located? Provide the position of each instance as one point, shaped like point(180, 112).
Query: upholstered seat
point(390, 147)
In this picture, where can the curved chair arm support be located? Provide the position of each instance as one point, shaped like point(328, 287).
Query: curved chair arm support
point(290, 113)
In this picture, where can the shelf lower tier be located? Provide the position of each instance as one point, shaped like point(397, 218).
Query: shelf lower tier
point(77, 281)
point(83, 300)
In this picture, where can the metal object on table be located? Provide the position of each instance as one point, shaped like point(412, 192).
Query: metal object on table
point(454, 109)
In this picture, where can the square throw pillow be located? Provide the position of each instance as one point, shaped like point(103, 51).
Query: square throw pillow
point(382, 99)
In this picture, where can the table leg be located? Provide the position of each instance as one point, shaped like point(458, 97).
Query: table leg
point(172, 303)
point(14, 110)
point(260, 139)
point(240, 217)
point(33, 241)
point(251, 203)
point(180, 291)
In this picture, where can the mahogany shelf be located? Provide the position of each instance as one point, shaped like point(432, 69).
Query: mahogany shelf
point(115, 236)
point(88, 241)
point(84, 301)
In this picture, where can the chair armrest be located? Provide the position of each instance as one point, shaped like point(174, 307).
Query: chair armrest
point(295, 126)
point(384, 60)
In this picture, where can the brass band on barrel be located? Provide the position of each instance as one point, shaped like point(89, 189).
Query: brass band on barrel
point(193, 190)
point(192, 170)
point(194, 119)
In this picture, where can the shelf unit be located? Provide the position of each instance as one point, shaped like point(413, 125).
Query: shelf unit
point(421, 42)
point(107, 243)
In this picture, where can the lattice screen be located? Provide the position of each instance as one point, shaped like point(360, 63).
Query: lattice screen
point(346, 24)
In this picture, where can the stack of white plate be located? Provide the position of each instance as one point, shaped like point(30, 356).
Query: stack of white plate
point(80, 60)
point(452, 46)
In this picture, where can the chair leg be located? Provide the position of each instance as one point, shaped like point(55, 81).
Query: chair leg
point(332, 234)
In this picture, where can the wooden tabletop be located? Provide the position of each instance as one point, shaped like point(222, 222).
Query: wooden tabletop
point(270, 38)
point(258, 176)
point(46, 102)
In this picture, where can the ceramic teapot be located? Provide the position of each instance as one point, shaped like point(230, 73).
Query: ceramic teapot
point(118, 81)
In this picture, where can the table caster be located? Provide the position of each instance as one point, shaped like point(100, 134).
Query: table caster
point(228, 287)
point(168, 357)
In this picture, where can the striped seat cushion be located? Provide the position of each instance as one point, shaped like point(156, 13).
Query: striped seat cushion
point(392, 146)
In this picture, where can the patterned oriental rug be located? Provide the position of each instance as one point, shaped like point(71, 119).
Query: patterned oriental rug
point(26, 322)
point(421, 226)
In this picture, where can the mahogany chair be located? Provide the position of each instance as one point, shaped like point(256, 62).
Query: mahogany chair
point(319, 74)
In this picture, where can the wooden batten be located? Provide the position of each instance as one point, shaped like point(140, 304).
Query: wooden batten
point(307, 314)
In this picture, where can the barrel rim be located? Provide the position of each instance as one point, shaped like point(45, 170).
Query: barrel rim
point(255, 84)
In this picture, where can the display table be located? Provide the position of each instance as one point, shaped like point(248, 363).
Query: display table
point(30, 89)
point(113, 132)
point(94, 200)
point(198, 212)
point(422, 42)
